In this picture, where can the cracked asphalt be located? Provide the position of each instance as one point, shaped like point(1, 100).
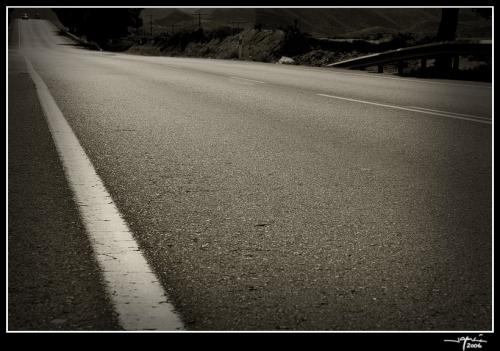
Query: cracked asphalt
point(261, 206)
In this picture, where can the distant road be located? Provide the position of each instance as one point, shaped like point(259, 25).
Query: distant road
point(273, 197)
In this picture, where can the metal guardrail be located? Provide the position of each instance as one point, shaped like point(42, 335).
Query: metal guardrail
point(452, 49)
point(81, 40)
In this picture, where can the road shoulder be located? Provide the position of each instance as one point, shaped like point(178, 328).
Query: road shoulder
point(53, 279)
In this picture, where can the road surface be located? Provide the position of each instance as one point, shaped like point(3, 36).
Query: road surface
point(264, 196)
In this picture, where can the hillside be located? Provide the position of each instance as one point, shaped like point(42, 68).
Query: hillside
point(333, 22)
point(174, 17)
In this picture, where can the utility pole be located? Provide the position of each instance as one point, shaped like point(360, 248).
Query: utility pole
point(199, 14)
point(151, 24)
point(237, 23)
point(240, 47)
point(174, 25)
point(240, 38)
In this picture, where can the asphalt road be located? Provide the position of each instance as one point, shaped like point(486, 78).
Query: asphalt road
point(54, 281)
point(262, 205)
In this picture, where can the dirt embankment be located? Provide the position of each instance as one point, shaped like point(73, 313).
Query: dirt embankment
point(256, 45)
point(293, 47)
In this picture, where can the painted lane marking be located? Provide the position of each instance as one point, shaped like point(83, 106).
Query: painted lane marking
point(248, 80)
point(408, 109)
point(135, 291)
point(451, 113)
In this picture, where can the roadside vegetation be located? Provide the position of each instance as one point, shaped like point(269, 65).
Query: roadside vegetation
point(124, 30)
point(265, 45)
point(106, 27)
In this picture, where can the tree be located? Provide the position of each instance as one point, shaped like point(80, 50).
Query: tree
point(484, 13)
point(447, 32)
point(100, 24)
point(295, 42)
point(448, 25)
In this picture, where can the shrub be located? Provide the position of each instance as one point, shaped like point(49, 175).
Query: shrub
point(295, 42)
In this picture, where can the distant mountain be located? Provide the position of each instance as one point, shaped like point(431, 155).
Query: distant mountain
point(225, 16)
point(174, 17)
point(339, 22)
point(156, 13)
point(331, 22)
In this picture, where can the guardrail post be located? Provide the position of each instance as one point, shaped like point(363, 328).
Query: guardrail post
point(240, 47)
point(423, 64)
point(400, 67)
point(456, 62)
point(380, 68)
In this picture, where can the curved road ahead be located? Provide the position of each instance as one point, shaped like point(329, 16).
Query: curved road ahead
point(271, 197)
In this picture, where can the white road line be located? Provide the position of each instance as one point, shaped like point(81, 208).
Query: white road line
point(135, 291)
point(447, 114)
point(248, 80)
point(452, 113)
